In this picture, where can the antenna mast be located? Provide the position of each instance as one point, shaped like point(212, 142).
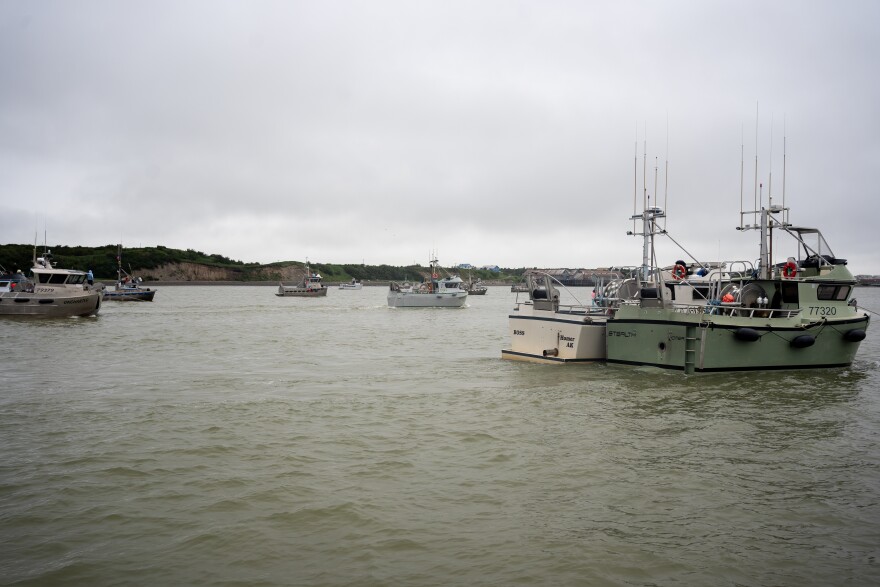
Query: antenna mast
point(770, 173)
point(656, 162)
point(646, 261)
point(635, 176)
point(742, 167)
point(785, 217)
point(645, 174)
point(756, 161)
point(666, 174)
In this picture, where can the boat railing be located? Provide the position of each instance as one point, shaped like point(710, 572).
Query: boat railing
point(581, 309)
point(573, 309)
point(727, 271)
point(532, 284)
point(735, 309)
point(716, 308)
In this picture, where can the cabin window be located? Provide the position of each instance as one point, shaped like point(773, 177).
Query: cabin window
point(57, 278)
point(790, 293)
point(76, 279)
point(43, 278)
point(701, 293)
point(671, 288)
point(826, 292)
point(832, 292)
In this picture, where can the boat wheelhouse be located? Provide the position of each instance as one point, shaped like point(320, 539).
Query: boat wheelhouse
point(53, 292)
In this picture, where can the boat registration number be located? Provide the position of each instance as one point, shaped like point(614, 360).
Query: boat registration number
point(519, 332)
point(823, 311)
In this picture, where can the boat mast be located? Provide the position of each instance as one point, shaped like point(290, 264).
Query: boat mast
point(770, 202)
point(742, 167)
point(119, 263)
point(649, 216)
point(635, 181)
point(785, 215)
point(756, 163)
point(763, 257)
point(646, 259)
point(666, 173)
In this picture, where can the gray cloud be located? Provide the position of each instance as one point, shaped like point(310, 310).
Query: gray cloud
point(494, 132)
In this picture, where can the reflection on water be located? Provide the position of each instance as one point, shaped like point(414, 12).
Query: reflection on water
point(223, 435)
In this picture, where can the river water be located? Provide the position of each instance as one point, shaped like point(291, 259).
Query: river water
point(225, 436)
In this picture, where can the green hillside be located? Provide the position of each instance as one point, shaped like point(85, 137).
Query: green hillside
point(102, 261)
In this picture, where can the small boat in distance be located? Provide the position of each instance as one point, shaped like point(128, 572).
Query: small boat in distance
point(436, 293)
point(128, 287)
point(476, 288)
point(309, 287)
point(355, 284)
point(53, 292)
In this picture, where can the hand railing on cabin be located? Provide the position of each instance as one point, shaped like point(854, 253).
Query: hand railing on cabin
point(716, 308)
point(729, 309)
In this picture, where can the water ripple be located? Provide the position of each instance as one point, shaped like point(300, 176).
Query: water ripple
point(341, 443)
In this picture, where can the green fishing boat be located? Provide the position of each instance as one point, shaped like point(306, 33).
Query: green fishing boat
point(795, 314)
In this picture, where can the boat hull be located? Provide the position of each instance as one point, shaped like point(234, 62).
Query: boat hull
point(555, 337)
point(50, 305)
point(398, 299)
point(295, 292)
point(352, 287)
point(694, 343)
point(143, 295)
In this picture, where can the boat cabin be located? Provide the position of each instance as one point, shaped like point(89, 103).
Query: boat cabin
point(45, 274)
point(10, 282)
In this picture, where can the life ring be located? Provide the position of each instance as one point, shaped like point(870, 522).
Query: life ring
point(789, 270)
point(679, 271)
point(435, 275)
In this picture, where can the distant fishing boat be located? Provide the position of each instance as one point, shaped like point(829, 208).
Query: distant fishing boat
point(127, 288)
point(353, 285)
point(435, 293)
point(309, 287)
point(476, 288)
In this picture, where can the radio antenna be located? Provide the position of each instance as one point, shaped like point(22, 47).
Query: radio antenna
point(656, 163)
point(645, 172)
point(666, 176)
point(742, 167)
point(756, 162)
point(635, 176)
point(770, 175)
point(785, 213)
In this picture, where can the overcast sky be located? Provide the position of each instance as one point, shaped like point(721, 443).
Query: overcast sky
point(494, 132)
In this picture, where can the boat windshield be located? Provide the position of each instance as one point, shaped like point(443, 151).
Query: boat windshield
point(60, 278)
point(812, 243)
